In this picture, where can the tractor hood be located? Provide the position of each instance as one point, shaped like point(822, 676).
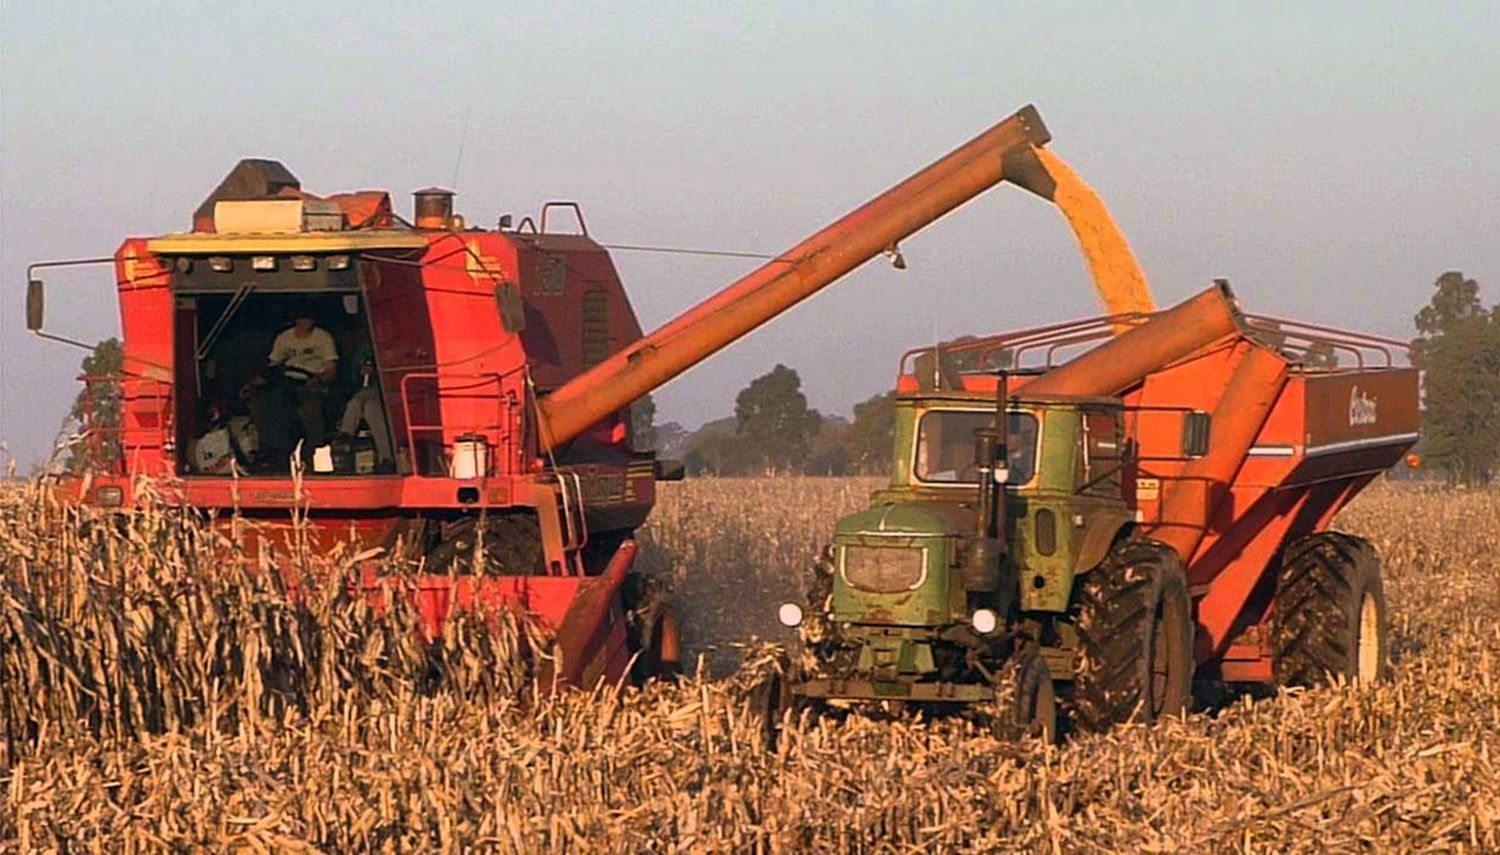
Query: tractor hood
point(895, 520)
point(892, 567)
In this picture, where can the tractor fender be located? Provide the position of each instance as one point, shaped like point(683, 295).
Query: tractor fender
point(1102, 532)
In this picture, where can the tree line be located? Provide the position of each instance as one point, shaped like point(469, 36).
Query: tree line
point(774, 431)
point(1458, 350)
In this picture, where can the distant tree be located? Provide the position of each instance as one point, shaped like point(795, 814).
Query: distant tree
point(773, 421)
point(671, 439)
point(1456, 300)
point(1459, 354)
point(829, 452)
point(643, 424)
point(717, 452)
point(872, 434)
point(96, 409)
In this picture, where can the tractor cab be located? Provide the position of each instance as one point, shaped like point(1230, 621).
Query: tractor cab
point(975, 527)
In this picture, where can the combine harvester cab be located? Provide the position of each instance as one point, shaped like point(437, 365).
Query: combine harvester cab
point(1150, 511)
point(503, 364)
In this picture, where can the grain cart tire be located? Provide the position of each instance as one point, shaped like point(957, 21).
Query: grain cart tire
point(1329, 618)
point(1135, 628)
point(1025, 701)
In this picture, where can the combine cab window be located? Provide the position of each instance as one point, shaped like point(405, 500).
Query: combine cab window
point(248, 394)
point(945, 446)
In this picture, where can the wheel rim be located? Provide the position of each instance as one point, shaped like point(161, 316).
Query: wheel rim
point(1368, 660)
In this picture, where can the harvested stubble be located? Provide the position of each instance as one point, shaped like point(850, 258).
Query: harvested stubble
point(381, 765)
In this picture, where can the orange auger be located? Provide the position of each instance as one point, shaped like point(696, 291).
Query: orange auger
point(1004, 151)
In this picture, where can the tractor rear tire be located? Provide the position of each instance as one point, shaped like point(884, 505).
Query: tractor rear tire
point(1329, 618)
point(1135, 628)
point(1025, 701)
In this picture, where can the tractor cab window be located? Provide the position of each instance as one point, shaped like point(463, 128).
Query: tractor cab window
point(945, 445)
point(264, 375)
point(1102, 446)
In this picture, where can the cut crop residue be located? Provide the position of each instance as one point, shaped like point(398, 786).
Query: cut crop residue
point(1117, 276)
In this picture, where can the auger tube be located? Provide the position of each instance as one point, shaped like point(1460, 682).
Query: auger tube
point(1007, 150)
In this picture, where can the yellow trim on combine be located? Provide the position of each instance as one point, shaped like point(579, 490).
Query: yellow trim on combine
point(202, 243)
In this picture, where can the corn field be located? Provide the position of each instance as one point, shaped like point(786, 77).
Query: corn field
point(158, 694)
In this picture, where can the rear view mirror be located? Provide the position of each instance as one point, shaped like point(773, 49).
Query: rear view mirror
point(35, 299)
point(1195, 431)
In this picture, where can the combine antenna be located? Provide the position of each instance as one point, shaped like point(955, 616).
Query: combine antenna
point(463, 136)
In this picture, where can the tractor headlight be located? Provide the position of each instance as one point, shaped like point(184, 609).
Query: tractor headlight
point(790, 615)
point(263, 263)
point(984, 621)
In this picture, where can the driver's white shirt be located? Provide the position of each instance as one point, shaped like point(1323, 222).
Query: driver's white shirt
point(312, 353)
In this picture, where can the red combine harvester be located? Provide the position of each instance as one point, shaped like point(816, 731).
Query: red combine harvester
point(502, 365)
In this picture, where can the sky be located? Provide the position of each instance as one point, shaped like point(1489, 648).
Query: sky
point(1329, 159)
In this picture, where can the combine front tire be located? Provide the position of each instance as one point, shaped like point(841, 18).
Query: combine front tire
point(512, 546)
point(1025, 702)
point(651, 626)
point(1329, 617)
point(1135, 627)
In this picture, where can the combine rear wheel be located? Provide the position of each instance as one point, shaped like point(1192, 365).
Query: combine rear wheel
point(1329, 617)
point(1025, 702)
point(1135, 626)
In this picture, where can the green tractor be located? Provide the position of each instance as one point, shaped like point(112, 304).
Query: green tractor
point(1002, 557)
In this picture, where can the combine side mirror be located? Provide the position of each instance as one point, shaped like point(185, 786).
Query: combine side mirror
point(35, 300)
point(1195, 431)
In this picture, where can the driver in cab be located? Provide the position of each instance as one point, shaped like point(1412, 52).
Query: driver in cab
point(307, 360)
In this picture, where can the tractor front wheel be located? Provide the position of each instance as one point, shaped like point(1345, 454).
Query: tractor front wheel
point(1025, 701)
point(1329, 620)
point(1135, 627)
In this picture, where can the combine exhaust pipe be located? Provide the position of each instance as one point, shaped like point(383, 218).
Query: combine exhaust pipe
point(1005, 151)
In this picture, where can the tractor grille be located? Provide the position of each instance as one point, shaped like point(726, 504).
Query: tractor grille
point(884, 570)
